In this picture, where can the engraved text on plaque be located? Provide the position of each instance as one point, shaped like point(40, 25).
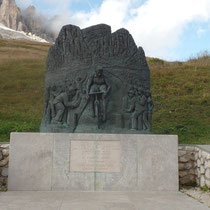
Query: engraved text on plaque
point(95, 156)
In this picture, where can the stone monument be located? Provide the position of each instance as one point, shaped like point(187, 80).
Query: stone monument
point(97, 106)
point(98, 82)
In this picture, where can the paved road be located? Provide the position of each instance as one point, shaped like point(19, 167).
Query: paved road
point(97, 201)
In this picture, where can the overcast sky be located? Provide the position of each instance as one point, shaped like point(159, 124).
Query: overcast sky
point(167, 29)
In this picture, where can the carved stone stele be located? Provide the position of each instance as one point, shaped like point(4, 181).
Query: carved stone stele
point(98, 82)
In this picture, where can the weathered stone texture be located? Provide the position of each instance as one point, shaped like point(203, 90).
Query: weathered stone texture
point(207, 173)
point(189, 172)
point(186, 165)
point(4, 160)
point(194, 165)
point(5, 152)
point(30, 161)
point(73, 63)
point(144, 162)
point(1, 155)
point(207, 164)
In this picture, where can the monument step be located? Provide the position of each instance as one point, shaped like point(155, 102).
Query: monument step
point(28, 200)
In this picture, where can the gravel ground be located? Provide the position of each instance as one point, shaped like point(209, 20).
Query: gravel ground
point(198, 194)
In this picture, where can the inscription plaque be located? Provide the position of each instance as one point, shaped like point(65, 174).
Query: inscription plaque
point(95, 156)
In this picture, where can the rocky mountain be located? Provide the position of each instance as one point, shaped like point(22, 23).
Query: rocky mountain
point(37, 24)
point(10, 15)
point(28, 20)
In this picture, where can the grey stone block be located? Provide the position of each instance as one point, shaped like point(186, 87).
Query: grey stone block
point(62, 179)
point(158, 162)
point(147, 163)
point(30, 166)
point(99, 201)
point(4, 172)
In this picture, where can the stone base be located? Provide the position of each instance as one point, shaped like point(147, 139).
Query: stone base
point(98, 201)
point(93, 162)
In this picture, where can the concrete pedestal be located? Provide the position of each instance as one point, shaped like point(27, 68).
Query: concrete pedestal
point(93, 162)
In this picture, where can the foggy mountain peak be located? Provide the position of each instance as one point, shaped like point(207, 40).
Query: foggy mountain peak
point(27, 20)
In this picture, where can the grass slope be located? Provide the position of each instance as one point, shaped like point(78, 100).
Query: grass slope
point(22, 66)
point(181, 93)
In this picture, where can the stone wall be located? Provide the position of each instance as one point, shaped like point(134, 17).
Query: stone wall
point(187, 164)
point(202, 161)
point(194, 165)
point(4, 160)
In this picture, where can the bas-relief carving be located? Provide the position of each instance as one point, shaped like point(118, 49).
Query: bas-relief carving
point(60, 104)
point(75, 96)
point(97, 89)
point(97, 81)
point(139, 104)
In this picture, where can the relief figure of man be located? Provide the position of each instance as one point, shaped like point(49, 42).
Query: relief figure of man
point(98, 89)
point(61, 102)
point(137, 108)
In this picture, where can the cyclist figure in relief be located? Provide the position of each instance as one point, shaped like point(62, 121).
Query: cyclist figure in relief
point(98, 89)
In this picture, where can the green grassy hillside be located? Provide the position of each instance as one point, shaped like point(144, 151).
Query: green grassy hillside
point(181, 93)
point(22, 66)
